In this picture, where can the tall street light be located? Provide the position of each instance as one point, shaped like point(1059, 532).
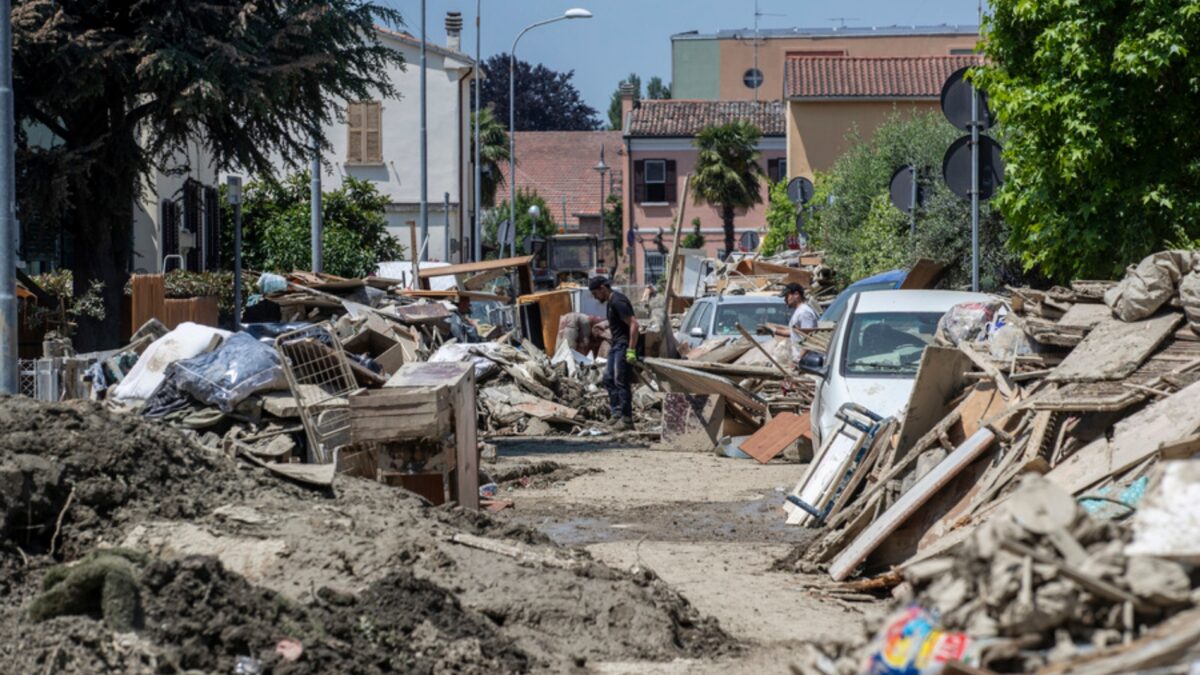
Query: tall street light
point(512, 112)
point(602, 169)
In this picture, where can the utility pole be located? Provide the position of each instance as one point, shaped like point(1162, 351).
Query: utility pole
point(477, 231)
point(424, 141)
point(234, 193)
point(314, 190)
point(9, 380)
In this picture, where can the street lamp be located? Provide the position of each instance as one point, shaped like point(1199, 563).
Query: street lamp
point(575, 13)
point(602, 169)
point(233, 193)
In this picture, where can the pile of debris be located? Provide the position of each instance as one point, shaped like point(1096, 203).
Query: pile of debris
point(1071, 385)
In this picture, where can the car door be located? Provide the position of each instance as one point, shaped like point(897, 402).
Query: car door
point(701, 320)
point(825, 397)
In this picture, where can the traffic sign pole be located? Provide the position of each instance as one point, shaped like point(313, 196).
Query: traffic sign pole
point(974, 190)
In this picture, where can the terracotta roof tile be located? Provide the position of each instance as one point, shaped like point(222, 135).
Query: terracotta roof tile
point(561, 164)
point(685, 118)
point(871, 77)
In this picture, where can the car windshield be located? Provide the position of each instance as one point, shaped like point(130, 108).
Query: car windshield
point(750, 315)
point(573, 255)
point(888, 343)
point(835, 310)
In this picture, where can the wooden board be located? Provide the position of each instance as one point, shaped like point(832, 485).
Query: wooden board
point(1085, 315)
point(553, 305)
point(1134, 439)
point(775, 436)
point(941, 376)
point(695, 382)
point(692, 422)
point(1114, 349)
point(924, 274)
point(925, 488)
point(387, 415)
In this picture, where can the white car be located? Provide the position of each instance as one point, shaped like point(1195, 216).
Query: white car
point(875, 350)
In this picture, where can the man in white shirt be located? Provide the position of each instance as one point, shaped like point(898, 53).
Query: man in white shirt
point(804, 318)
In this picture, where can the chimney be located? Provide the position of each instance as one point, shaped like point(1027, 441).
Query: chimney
point(627, 101)
point(454, 31)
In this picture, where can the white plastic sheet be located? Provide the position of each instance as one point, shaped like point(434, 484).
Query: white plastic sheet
point(186, 341)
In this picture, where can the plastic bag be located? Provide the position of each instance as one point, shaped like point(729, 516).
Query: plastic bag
point(1008, 341)
point(459, 352)
point(966, 322)
point(1148, 286)
point(238, 368)
point(271, 283)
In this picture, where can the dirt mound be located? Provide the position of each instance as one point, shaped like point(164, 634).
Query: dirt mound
point(99, 461)
point(198, 616)
point(536, 475)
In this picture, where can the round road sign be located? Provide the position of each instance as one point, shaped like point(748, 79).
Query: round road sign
point(956, 167)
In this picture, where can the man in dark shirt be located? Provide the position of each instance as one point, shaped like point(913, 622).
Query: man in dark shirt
point(618, 373)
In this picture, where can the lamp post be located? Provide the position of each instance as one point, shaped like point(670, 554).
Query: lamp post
point(9, 374)
point(512, 110)
point(477, 230)
point(234, 194)
point(602, 169)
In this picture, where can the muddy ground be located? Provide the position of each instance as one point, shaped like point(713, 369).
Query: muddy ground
point(711, 527)
point(226, 565)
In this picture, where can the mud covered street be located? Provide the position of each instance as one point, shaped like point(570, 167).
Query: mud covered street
point(711, 527)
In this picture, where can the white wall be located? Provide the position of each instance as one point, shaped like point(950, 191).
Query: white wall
point(147, 251)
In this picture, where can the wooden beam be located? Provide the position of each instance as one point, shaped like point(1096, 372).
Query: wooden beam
point(1114, 349)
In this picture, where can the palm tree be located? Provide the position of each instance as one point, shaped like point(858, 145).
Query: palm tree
point(493, 152)
point(727, 172)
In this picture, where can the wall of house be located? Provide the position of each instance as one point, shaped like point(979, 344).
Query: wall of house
point(694, 68)
point(817, 130)
point(648, 218)
point(711, 68)
point(448, 120)
point(147, 212)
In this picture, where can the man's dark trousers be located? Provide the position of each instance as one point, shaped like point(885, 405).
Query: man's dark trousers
point(618, 379)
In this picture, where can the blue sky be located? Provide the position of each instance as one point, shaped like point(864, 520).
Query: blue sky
point(635, 35)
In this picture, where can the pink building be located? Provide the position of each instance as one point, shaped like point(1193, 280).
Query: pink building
point(659, 137)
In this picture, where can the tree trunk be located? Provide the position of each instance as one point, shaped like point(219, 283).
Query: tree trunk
point(101, 220)
point(727, 218)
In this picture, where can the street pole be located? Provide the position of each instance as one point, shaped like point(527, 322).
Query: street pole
point(424, 142)
point(314, 190)
point(512, 113)
point(9, 380)
point(913, 208)
point(446, 225)
point(974, 189)
point(234, 193)
point(477, 231)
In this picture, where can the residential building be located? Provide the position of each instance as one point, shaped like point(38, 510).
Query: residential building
point(660, 152)
point(828, 97)
point(561, 167)
point(733, 65)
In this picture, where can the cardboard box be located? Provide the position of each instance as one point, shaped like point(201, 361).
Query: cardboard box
point(385, 350)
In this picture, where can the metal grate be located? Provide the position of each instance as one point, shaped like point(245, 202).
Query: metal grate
point(320, 378)
point(27, 369)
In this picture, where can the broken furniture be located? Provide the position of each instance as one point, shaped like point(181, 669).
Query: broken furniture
point(418, 432)
point(322, 382)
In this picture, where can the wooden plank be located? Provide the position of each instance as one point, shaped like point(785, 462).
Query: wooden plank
point(692, 422)
point(733, 370)
point(1085, 315)
point(775, 436)
point(387, 415)
point(1166, 644)
point(695, 382)
point(466, 473)
point(1114, 349)
point(924, 274)
point(849, 559)
point(476, 267)
point(982, 362)
point(1161, 424)
point(940, 378)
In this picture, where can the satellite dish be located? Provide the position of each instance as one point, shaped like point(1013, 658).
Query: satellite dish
point(901, 188)
point(800, 190)
point(956, 102)
point(956, 167)
point(504, 233)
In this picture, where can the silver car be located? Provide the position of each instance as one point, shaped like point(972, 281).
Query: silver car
point(719, 315)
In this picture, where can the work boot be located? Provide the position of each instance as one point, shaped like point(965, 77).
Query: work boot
point(625, 424)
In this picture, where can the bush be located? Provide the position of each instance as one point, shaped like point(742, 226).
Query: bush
point(544, 227)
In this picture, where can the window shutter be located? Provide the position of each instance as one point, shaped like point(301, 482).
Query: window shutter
point(354, 133)
point(639, 181)
point(373, 132)
point(773, 170)
point(671, 189)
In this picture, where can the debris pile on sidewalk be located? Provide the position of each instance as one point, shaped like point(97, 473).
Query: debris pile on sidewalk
point(1013, 420)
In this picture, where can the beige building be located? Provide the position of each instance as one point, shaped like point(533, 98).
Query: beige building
point(828, 97)
point(733, 65)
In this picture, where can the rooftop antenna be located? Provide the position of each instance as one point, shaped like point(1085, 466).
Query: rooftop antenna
point(843, 19)
point(758, 13)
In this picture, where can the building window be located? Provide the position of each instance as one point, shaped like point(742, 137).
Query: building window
point(777, 170)
point(962, 51)
point(753, 78)
point(364, 127)
point(654, 181)
point(655, 263)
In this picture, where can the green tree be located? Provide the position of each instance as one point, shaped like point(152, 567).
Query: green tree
point(1099, 103)
point(493, 151)
point(862, 234)
point(781, 220)
point(614, 102)
point(544, 226)
point(655, 89)
point(693, 239)
point(614, 220)
point(276, 227)
point(125, 86)
point(727, 172)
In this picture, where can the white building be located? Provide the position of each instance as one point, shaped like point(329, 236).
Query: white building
point(380, 142)
point(377, 141)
